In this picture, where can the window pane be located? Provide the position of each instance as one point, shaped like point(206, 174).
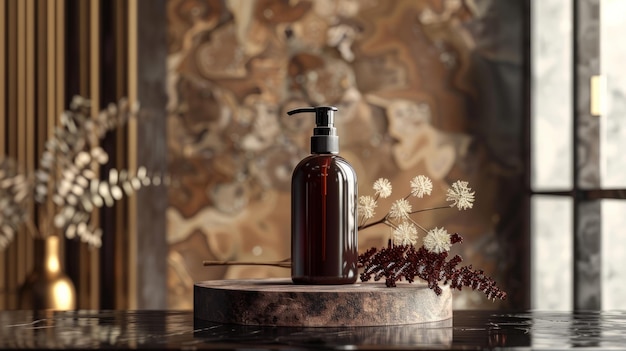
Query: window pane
point(551, 119)
point(613, 123)
point(613, 254)
point(551, 255)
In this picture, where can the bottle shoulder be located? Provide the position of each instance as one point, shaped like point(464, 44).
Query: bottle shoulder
point(328, 160)
point(325, 164)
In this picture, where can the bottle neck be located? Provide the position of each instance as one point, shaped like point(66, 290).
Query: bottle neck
point(47, 255)
point(324, 144)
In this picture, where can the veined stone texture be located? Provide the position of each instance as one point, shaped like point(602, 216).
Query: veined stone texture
point(613, 56)
point(279, 302)
point(613, 253)
point(587, 65)
point(552, 251)
point(422, 87)
point(552, 114)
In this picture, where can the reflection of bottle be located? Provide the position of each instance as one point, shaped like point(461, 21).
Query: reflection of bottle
point(323, 209)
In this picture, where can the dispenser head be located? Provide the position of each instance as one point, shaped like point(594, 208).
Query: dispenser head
point(324, 139)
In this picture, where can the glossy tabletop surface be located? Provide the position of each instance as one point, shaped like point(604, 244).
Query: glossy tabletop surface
point(179, 330)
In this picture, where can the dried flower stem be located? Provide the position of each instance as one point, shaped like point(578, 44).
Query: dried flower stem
point(418, 225)
point(429, 209)
point(286, 263)
point(384, 220)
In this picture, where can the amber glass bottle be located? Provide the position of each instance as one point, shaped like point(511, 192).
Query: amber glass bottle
point(324, 210)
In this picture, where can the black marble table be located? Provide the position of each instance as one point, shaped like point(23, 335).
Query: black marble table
point(179, 330)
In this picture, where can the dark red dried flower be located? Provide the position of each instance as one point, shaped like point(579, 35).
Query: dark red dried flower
point(405, 261)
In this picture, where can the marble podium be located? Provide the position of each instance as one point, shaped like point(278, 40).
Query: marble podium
point(279, 302)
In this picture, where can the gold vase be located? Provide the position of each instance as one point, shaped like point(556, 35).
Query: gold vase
point(47, 287)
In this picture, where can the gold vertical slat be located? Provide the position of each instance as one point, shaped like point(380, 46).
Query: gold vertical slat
point(94, 78)
point(60, 59)
point(51, 105)
point(3, 110)
point(11, 136)
point(132, 152)
point(83, 90)
point(21, 122)
point(3, 82)
point(58, 85)
point(44, 125)
point(29, 109)
point(83, 47)
point(42, 74)
point(50, 69)
point(94, 57)
point(11, 75)
point(121, 207)
point(43, 59)
point(121, 48)
point(50, 89)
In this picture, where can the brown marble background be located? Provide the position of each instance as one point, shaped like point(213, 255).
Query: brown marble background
point(428, 87)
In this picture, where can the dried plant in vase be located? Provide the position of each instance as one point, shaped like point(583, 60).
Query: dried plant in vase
point(402, 258)
point(66, 186)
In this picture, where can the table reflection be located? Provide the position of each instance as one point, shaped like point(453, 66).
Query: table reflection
point(179, 330)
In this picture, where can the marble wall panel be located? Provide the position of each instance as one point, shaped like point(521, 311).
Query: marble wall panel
point(613, 253)
point(587, 61)
point(613, 121)
point(587, 256)
point(613, 144)
point(552, 103)
point(423, 87)
point(552, 252)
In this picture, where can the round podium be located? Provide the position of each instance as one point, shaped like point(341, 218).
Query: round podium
point(279, 302)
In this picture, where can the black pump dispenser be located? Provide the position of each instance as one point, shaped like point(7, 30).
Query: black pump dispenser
point(324, 139)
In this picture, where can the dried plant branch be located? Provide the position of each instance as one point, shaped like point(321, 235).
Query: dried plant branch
point(402, 258)
point(380, 221)
point(286, 263)
point(397, 262)
point(14, 190)
point(66, 188)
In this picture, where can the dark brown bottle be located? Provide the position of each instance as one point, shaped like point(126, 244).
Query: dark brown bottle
point(324, 247)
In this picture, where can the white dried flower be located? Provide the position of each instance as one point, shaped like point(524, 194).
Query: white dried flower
point(70, 231)
point(421, 185)
point(460, 195)
point(405, 234)
point(90, 236)
point(14, 190)
point(117, 192)
point(367, 204)
point(101, 156)
point(382, 187)
point(82, 159)
point(400, 209)
point(437, 240)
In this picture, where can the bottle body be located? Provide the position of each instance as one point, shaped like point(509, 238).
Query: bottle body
point(324, 248)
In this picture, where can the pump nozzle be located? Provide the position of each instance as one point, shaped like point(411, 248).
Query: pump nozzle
point(324, 139)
